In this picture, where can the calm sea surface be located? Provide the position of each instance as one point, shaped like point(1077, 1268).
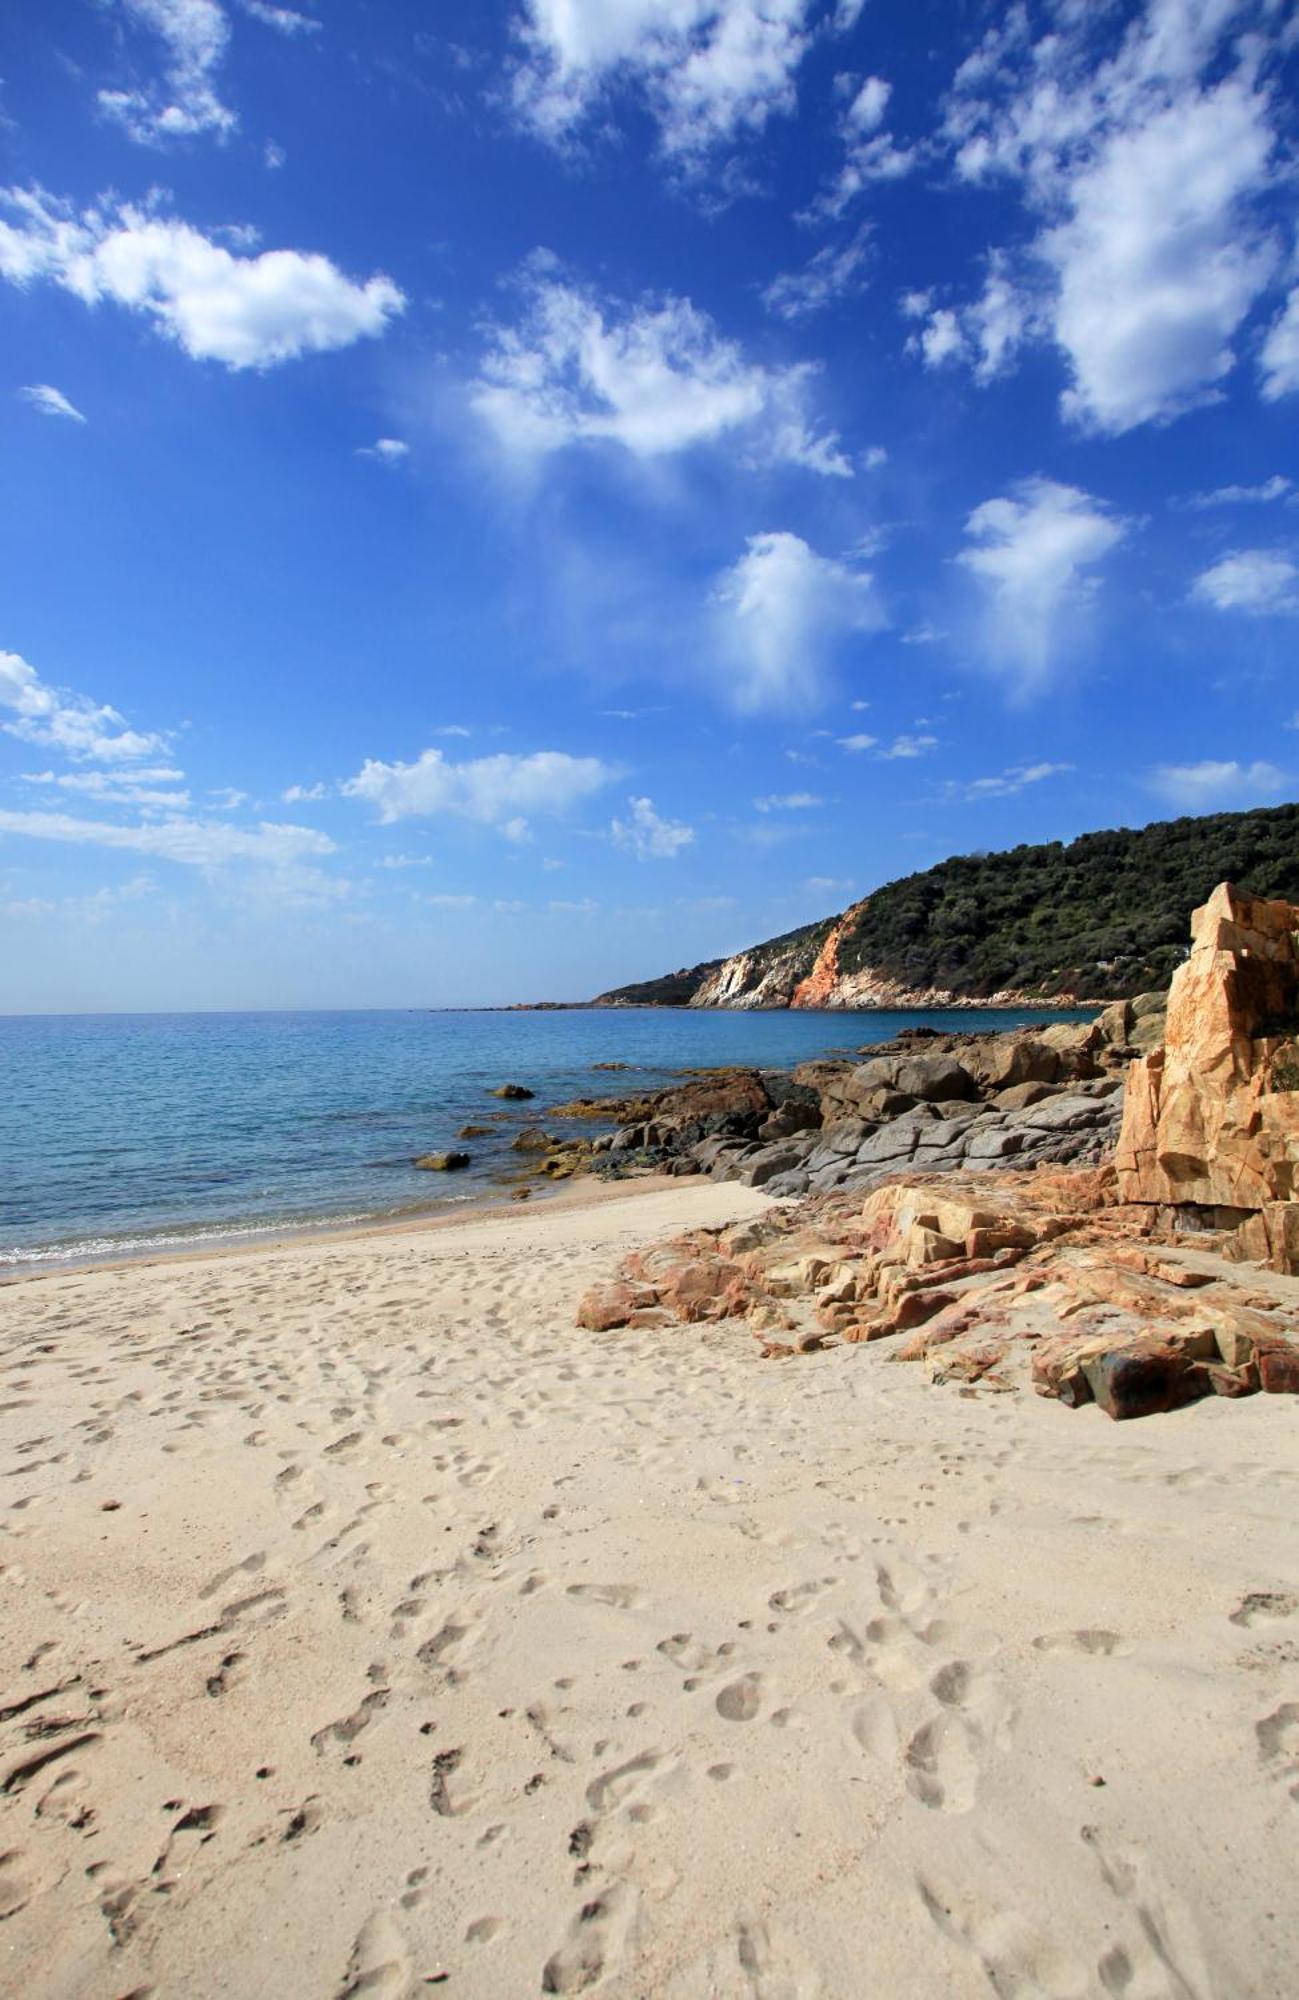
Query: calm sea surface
point(122, 1134)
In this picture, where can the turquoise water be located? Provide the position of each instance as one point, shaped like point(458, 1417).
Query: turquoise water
point(121, 1134)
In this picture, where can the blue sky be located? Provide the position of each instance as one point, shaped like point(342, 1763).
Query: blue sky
point(509, 496)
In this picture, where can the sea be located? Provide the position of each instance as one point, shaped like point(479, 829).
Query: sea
point(138, 1134)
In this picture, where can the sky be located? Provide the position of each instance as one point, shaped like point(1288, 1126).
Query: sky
point(507, 497)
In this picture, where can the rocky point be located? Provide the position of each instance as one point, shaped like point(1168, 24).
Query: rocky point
point(1120, 1281)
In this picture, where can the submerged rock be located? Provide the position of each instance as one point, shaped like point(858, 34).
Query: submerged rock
point(441, 1163)
point(515, 1092)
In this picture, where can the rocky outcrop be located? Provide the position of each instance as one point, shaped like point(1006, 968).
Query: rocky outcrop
point(1211, 1118)
point(1040, 1280)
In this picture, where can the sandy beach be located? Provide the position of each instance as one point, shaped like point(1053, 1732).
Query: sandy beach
point(369, 1629)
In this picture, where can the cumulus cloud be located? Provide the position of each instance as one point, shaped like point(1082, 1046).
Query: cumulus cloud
point(857, 744)
point(1142, 142)
point(709, 70)
point(648, 836)
point(1259, 582)
point(1197, 787)
point(909, 746)
point(244, 310)
point(780, 611)
point(388, 451)
point(654, 378)
point(1031, 555)
point(82, 729)
point(51, 402)
point(302, 794)
point(495, 791)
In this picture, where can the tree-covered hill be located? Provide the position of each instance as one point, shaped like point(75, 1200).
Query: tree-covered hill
point(1101, 916)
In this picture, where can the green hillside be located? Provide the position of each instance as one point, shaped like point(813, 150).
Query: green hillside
point(1103, 916)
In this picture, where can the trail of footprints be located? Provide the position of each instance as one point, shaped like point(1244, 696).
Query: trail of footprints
point(920, 1699)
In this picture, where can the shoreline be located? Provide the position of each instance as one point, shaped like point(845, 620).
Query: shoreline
point(591, 1193)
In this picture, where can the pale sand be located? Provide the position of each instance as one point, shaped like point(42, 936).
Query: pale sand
point(378, 1628)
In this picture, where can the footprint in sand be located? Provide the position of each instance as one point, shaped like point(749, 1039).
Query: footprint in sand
point(380, 1963)
point(1092, 1640)
point(595, 1942)
point(1278, 1743)
point(1012, 1954)
point(741, 1699)
point(1264, 1607)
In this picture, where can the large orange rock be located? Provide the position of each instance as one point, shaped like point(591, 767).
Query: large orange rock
point(1212, 1118)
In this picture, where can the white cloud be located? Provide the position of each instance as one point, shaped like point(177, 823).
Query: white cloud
point(1256, 581)
point(871, 154)
point(780, 611)
point(1004, 784)
point(1280, 355)
point(493, 791)
point(1196, 787)
point(82, 729)
point(833, 273)
point(829, 885)
point(1275, 488)
point(984, 336)
point(446, 901)
point(191, 843)
point(285, 20)
point(227, 798)
point(655, 379)
point(941, 339)
point(649, 837)
point(51, 402)
point(856, 745)
point(709, 69)
point(910, 746)
point(1030, 557)
point(388, 451)
point(788, 802)
point(217, 304)
point(194, 34)
point(151, 789)
point(301, 794)
point(1143, 156)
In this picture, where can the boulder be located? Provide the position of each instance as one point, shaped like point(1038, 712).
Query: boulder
point(1145, 1378)
point(931, 1077)
point(514, 1092)
point(441, 1163)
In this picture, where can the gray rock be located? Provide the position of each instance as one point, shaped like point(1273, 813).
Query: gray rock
point(894, 1141)
point(1058, 1114)
point(948, 1135)
point(768, 1161)
point(931, 1077)
point(995, 1144)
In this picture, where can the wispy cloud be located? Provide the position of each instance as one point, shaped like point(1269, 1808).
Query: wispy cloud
point(1260, 582)
point(82, 729)
point(781, 611)
point(1215, 782)
point(51, 402)
point(1032, 553)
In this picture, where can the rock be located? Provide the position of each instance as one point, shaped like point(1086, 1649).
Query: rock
point(532, 1139)
point(994, 1144)
point(1145, 1378)
point(1017, 1096)
point(894, 1141)
point(931, 1077)
point(1212, 1117)
point(515, 1092)
point(789, 1118)
point(441, 1163)
point(1059, 1114)
point(474, 1132)
point(611, 1305)
point(1278, 1367)
point(1008, 1059)
point(762, 1166)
